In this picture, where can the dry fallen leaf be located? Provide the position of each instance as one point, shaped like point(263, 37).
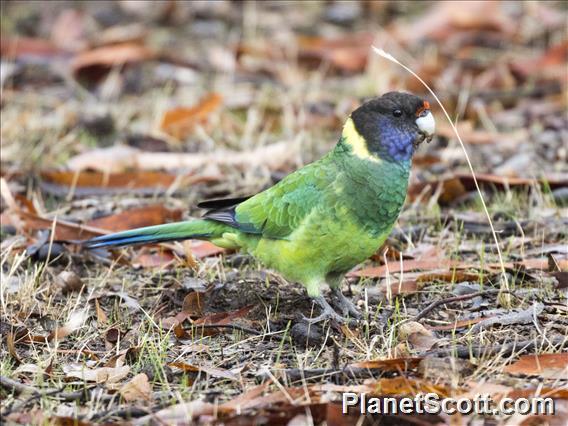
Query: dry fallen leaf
point(212, 371)
point(155, 214)
point(201, 249)
point(548, 366)
point(460, 184)
point(106, 57)
point(393, 364)
point(180, 122)
point(417, 336)
point(349, 53)
point(107, 375)
point(101, 315)
point(119, 158)
point(138, 388)
point(178, 414)
point(193, 303)
point(74, 323)
point(406, 386)
point(447, 18)
point(68, 281)
point(84, 183)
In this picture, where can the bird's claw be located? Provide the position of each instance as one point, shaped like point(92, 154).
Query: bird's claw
point(346, 305)
point(329, 313)
point(324, 316)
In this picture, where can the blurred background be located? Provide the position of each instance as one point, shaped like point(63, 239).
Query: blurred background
point(212, 98)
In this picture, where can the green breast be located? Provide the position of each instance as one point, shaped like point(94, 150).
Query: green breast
point(374, 192)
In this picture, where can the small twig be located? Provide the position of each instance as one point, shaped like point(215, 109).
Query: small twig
point(440, 302)
point(239, 328)
point(124, 413)
point(18, 387)
point(504, 349)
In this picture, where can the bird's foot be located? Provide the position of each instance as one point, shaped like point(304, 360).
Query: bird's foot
point(346, 305)
point(327, 314)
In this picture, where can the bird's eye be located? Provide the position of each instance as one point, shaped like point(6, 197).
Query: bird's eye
point(397, 113)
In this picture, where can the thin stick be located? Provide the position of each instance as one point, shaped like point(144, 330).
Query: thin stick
point(503, 296)
point(463, 297)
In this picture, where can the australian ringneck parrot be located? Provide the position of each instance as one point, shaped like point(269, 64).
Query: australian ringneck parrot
point(325, 218)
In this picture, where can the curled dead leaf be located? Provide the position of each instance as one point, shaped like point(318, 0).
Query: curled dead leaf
point(138, 388)
point(417, 336)
point(75, 322)
point(180, 122)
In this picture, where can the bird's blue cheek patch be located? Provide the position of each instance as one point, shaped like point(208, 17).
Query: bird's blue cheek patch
point(396, 143)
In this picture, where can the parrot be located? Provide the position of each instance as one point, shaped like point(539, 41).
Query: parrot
point(322, 220)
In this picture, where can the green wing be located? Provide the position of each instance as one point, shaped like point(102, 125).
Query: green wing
point(278, 211)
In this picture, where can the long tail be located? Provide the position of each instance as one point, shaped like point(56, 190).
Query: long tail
point(197, 229)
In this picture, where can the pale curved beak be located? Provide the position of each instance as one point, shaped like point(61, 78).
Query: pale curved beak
point(426, 123)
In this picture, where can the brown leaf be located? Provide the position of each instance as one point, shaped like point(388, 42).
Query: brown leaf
point(101, 315)
point(138, 388)
point(545, 365)
point(161, 259)
point(407, 265)
point(106, 57)
point(557, 262)
point(405, 386)
point(23, 47)
point(193, 303)
point(447, 18)
point(84, 183)
point(439, 266)
point(394, 364)
point(11, 345)
point(75, 322)
point(397, 287)
point(119, 158)
point(417, 336)
point(462, 183)
point(224, 317)
point(112, 335)
point(107, 375)
point(180, 122)
point(176, 414)
point(201, 249)
point(155, 214)
point(453, 276)
point(212, 371)
point(68, 281)
point(64, 231)
point(459, 324)
point(347, 53)
point(551, 64)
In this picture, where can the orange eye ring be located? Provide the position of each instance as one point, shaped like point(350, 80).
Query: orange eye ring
point(425, 106)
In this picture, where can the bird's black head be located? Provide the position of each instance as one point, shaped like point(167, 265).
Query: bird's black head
point(391, 127)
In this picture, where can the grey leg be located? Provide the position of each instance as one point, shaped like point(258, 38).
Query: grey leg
point(327, 314)
point(346, 305)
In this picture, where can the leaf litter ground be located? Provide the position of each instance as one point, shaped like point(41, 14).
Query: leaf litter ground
point(104, 128)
